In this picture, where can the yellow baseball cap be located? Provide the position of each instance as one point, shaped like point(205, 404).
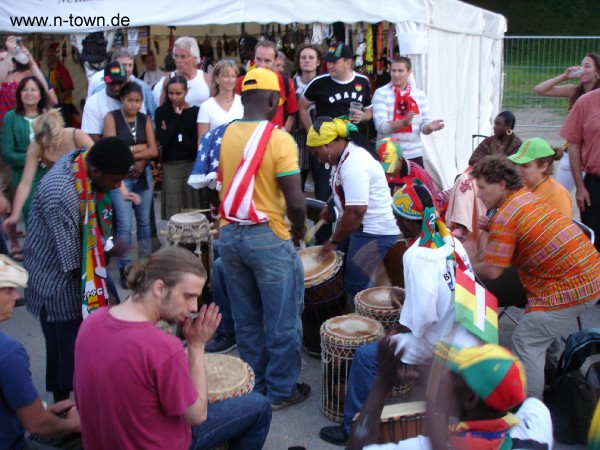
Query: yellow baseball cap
point(261, 78)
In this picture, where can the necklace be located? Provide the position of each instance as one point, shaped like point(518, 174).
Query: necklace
point(539, 184)
point(225, 101)
point(131, 126)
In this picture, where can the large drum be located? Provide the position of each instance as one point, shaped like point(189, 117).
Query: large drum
point(323, 294)
point(382, 303)
point(227, 377)
point(391, 270)
point(340, 337)
point(401, 421)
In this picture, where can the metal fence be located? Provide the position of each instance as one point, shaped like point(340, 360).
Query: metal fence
point(529, 60)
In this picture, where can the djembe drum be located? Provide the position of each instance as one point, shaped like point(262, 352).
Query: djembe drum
point(323, 294)
point(340, 337)
point(382, 303)
point(227, 377)
point(400, 421)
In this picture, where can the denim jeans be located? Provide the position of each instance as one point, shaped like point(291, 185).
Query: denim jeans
point(221, 298)
point(364, 254)
point(362, 373)
point(143, 187)
point(265, 282)
point(243, 421)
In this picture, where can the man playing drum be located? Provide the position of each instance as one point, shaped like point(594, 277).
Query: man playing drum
point(478, 386)
point(136, 386)
point(428, 312)
point(259, 182)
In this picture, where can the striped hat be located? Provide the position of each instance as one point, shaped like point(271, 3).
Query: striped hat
point(491, 371)
point(389, 152)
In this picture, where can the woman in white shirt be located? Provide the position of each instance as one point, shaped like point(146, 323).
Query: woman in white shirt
point(224, 105)
point(367, 228)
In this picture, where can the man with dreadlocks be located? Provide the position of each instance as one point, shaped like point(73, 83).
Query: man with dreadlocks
point(428, 312)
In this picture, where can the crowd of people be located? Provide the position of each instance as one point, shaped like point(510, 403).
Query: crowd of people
point(240, 143)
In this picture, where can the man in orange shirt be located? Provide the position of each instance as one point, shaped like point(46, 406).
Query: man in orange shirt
point(557, 264)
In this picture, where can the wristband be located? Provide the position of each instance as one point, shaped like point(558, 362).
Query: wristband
point(334, 242)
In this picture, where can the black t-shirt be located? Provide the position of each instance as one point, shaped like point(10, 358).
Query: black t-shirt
point(179, 140)
point(332, 98)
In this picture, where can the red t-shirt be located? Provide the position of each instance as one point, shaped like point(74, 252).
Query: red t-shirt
point(132, 385)
point(288, 104)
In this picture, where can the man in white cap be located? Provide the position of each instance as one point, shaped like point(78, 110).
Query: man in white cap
point(20, 405)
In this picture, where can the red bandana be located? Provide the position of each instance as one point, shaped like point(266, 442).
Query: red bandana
point(402, 106)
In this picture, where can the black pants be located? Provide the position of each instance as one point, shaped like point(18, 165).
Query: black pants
point(591, 215)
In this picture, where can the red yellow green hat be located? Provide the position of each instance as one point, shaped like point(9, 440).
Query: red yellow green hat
point(492, 372)
point(389, 152)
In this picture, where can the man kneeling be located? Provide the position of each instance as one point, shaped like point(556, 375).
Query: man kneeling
point(135, 387)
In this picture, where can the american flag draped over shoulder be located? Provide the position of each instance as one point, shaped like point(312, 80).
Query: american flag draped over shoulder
point(204, 173)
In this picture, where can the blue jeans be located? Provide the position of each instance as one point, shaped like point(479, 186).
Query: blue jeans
point(364, 254)
point(362, 373)
point(143, 187)
point(243, 421)
point(221, 298)
point(265, 282)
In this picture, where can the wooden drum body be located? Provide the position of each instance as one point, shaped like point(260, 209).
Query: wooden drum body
point(401, 421)
point(340, 337)
point(391, 270)
point(323, 294)
point(227, 377)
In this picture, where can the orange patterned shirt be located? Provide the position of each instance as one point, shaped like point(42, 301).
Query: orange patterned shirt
point(557, 264)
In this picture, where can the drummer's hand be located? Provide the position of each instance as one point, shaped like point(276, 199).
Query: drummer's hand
point(324, 214)
point(198, 331)
point(483, 222)
point(390, 365)
point(299, 233)
point(326, 249)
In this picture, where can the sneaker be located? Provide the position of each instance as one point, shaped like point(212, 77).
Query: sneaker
point(335, 434)
point(309, 186)
point(301, 393)
point(221, 343)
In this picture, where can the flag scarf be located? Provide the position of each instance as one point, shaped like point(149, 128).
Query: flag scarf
point(475, 308)
point(204, 173)
point(403, 105)
point(96, 227)
point(238, 204)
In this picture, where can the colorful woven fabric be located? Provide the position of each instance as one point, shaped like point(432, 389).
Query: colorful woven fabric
point(476, 308)
point(557, 264)
point(482, 434)
point(96, 214)
point(491, 371)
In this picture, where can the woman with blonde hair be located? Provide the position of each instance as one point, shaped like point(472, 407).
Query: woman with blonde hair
point(51, 140)
point(224, 105)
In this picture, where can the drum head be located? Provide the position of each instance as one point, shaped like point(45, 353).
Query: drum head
point(402, 409)
point(317, 270)
point(351, 327)
point(385, 297)
point(188, 218)
point(225, 375)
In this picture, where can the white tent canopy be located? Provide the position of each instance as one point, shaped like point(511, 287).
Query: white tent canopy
point(456, 48)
